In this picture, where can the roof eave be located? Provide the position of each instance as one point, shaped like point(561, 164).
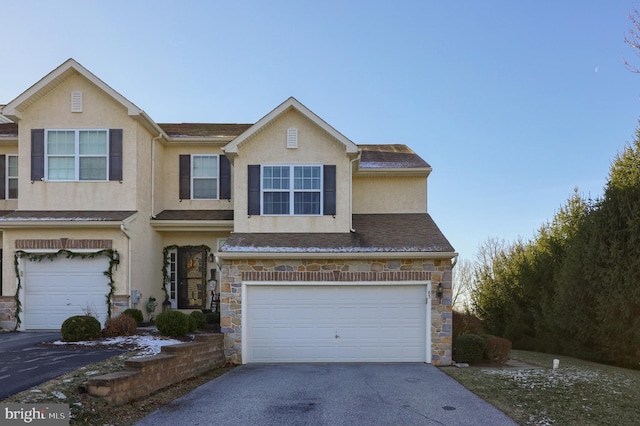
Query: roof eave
point(192, 225)
point(388, 171)
point(14, 224)
point(337, 255)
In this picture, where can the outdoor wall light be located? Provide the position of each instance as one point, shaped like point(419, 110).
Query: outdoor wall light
point(116, 258)
point(439, 292)
point(211, 258)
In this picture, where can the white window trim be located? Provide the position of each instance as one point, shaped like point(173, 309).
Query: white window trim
point(291, 189)
point(76, 156)
point(172, 285)
point(193, 178)
point(7, 178)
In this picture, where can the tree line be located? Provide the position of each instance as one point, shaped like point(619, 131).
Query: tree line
point(574, 288)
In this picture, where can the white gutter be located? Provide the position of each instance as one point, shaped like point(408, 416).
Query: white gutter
point(153, 174)
point(357, 157)
point(123, 228)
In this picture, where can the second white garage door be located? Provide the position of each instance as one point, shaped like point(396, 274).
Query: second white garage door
point(335, 323)
point(60, 288)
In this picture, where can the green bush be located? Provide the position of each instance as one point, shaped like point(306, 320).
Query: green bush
point(80, 327)
point(122, 325)
point(173, 323)
point(201, 320)
point(497, 349)
point(192, 324)
point(136, 314)
point(469, 348)
point(212, 317)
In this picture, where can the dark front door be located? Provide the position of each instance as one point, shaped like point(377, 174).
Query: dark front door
point(192, 275)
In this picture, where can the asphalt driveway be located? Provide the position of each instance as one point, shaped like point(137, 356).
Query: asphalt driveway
point(330, 394)
point(25, 362)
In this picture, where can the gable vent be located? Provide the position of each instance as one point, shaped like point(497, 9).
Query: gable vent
point(292, 137)
point(76, 101)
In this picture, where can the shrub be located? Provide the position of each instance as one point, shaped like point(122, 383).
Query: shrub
point(173, 323)
point(201, 320)
point(80, 327)
point(136, 314)
point(497, 349)
point(465, 323)
point(192, 324)
point(122, 325)
point(212, 317)
point(469, 348)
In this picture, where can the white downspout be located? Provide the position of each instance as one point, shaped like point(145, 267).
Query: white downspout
point(153, 175)
point(123, 228)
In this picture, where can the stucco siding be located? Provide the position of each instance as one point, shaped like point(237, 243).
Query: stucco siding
point(389, 195)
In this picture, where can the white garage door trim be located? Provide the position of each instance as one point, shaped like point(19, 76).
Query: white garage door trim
point(247, 285)
point(42, 295)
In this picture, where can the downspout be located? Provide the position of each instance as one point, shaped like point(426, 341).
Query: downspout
point(351, 192)
point(153, 174)
point(123, 228)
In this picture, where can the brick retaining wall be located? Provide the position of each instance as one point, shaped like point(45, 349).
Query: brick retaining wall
point(149, 374)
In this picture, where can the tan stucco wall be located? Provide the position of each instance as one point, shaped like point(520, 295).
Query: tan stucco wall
point(100, 111)
point(389, 194)
point(315, 146)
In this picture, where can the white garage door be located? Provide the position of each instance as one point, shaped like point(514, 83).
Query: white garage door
point(58, 289)
point(335, 323)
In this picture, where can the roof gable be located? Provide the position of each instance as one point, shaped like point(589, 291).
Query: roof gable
point(14, 109)
point(231, 149)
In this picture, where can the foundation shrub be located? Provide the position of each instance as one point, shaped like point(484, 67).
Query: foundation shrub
point(469, 348)
point(201, 320)
point(173, 323)
point(122, 325)
point(466, 322)
point(80, 327)
point(193, 325)
point(497, 349)
point(212, 317)
point(136, 314)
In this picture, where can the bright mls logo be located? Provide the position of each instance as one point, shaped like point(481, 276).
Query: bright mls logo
point(36, 414)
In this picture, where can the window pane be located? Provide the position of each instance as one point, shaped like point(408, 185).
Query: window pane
point(275, 177)
point(61, 142)
point(93, 142)
point(61, 168)
point(205, 188)
point(13, 166)
point(306, 177)
point(276, 203)
point(205, 166)
point(306, 203)
point(13, 188)
point(93, 168)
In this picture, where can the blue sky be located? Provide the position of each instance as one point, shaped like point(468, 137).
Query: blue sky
point(513, 103)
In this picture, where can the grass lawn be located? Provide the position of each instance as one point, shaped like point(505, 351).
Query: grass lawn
point(577, 393)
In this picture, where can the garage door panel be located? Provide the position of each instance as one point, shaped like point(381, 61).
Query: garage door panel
point(343, 323)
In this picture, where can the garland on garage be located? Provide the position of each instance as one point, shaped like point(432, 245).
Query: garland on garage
point(38, 257)
point(165, 263)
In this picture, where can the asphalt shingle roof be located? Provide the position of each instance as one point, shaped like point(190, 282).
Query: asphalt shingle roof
point(76, 215)
point(373, 233)
point(195, 215)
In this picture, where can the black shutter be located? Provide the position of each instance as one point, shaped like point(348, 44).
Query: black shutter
point(115, 154)
point(37, 154)
point(329, 186)
point(185, 177)
point(254, 190)
point(225, 178)
point(3, 176)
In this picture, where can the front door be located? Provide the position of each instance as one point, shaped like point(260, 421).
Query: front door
point(192, 276)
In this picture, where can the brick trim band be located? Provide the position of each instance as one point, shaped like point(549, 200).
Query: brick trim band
point(335, 276)
point(63, 244)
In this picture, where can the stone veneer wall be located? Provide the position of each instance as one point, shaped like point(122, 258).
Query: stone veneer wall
point(233, 272)
point(7, 313)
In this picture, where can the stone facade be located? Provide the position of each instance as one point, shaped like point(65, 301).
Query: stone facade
point(234, 272)
point(7, 313)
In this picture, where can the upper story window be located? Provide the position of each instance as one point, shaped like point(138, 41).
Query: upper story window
point(73, 155)
point(288, 190)
point(12, 177)
point(204, 177)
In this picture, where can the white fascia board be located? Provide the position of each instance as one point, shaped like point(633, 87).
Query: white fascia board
point(192, 225)
point(40, 223)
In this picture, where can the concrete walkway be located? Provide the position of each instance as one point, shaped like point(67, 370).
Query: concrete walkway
point(330, 394)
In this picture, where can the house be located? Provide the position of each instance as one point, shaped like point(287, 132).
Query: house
point(312, 247)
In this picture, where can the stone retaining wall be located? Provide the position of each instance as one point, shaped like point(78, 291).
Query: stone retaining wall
point(7, 313)
point(149, 374)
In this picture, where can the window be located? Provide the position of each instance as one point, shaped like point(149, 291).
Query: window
point(73, 155)
point(290, 190)
point(204, 176)
point(12, 177)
